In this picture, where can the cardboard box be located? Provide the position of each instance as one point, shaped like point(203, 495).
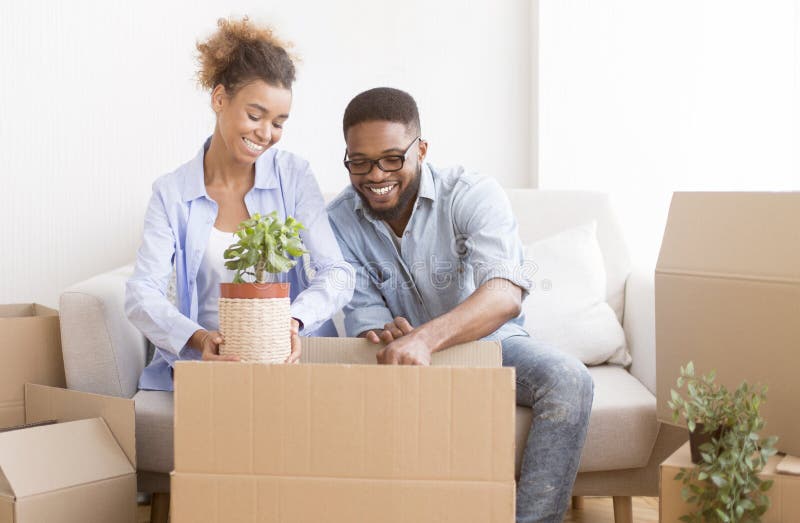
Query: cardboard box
point(80, 469)
point(346, 442)
point(727, 291)
point(784, 495)
point(30, 352)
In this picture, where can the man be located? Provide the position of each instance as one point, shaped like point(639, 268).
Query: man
point(438, 262)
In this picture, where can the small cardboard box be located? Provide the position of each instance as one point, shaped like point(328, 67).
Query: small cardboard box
point(784, 495)
point(30, 352)
point(727, 292)
point(80, 469)
point(346, 443)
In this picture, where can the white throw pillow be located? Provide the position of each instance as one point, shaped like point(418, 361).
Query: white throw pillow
point(567, 306)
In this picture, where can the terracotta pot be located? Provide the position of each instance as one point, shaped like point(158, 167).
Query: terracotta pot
point(253, 290)
point(698, 438)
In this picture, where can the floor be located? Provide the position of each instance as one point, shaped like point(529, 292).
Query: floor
point(595, 510)
point(601, 510)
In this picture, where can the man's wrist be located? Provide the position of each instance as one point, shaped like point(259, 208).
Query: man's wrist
point(429, 337)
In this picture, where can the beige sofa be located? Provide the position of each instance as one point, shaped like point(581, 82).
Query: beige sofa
point(104, 353)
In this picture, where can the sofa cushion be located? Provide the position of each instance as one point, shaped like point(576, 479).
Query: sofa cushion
point(154, 415)
point(541, 213)
point(567, 306)
point(622, 427)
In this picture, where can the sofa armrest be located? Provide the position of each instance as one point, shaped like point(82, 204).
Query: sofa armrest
point(639, 322)
point(103, 352)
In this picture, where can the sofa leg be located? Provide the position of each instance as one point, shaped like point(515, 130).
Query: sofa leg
point(623, 509)
point(577, 502)
point(159, 508)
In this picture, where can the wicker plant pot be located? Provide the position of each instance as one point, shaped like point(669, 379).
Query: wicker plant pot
point(254, 319)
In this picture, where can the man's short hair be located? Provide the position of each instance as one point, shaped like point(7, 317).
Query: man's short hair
point(382, 104)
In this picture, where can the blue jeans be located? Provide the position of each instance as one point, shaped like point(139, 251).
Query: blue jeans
point(559, 390)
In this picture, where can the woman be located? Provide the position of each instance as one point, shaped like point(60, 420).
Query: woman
point(194, 210)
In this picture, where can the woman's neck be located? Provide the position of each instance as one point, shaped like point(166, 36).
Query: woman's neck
point(220, 170)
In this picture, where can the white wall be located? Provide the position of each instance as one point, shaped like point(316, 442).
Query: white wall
point(642, 98)
point(98, 98)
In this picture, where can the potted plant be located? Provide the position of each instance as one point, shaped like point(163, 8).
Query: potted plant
point(254, 313)
point(724, 485)
point(705, 409)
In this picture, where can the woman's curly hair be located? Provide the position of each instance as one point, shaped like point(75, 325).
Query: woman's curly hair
point(240, 52)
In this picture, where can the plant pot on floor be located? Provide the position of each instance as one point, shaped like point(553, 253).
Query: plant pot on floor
point(254, 320)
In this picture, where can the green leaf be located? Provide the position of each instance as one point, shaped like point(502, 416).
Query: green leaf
point(706, 447)
point(747, 504)
point(718, 480)
point(295, 247)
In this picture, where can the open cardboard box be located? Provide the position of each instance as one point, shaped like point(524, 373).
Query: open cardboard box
point(79, 466)
point(30, 352)
point(727, 291)
point(339, 439)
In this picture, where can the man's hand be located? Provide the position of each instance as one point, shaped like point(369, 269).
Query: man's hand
point(208, 342)
point(407, 350)
point(294, 329)
point(393, 330)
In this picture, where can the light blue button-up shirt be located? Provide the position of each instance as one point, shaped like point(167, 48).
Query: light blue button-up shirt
point(177, 226)
point(461, 234)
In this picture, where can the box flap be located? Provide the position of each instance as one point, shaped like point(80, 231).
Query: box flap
point(16, 310)
point(22, 310)
point(357, 421)
point(107, 501)
point(5, 487)
point(362, 352)
point(6, 510)
point(52, 457)
point(733, 234)
point(31, 353)
point(41, 311)
point(52, 403)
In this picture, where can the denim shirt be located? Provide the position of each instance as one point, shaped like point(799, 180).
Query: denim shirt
point(177, 226)
point(461, 234)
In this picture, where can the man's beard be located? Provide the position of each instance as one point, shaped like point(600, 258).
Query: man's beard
point(408, 194)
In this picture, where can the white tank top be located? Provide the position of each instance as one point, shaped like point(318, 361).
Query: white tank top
point(211, 273)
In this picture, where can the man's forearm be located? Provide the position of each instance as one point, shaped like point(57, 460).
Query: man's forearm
point(489, 307)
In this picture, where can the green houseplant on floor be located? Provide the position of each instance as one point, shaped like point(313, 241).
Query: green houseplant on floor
point(724, 486)
point(254, 313)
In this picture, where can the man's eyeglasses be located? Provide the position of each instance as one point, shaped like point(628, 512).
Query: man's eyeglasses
point(387, 164)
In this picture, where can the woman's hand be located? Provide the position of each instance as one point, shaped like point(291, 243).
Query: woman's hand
point(294, 330)
point(208, 342)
